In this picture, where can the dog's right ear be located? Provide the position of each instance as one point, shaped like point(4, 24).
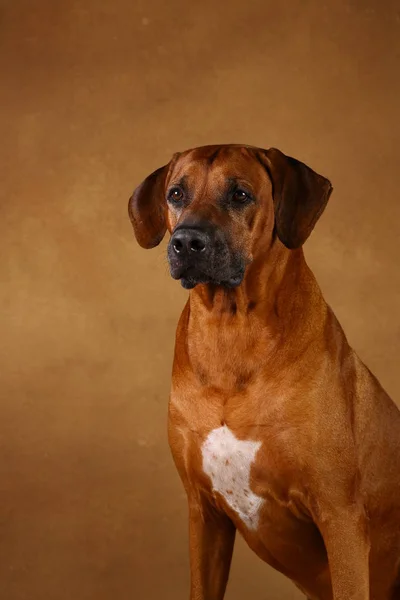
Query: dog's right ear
point(147, 209)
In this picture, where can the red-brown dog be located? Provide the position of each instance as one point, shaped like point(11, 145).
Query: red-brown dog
point(276, 426)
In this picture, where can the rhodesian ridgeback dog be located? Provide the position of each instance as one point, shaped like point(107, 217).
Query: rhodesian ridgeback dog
point(277, 428)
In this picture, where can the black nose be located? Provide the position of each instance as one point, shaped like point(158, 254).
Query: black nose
point(189, 241)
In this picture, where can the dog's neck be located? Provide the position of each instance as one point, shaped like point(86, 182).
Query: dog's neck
point(229, 333)
point(276, 284)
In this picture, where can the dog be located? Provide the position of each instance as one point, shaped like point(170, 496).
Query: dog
point(276, 427)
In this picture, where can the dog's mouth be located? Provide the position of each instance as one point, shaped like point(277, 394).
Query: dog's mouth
point(192, 276)
point(189, 282)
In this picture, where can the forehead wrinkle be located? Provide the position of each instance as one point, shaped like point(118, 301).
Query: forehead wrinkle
point(194, 172)
point(185, 172)
point(227, 175)
point(229, 163)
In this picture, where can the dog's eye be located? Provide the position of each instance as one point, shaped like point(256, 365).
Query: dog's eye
point(240, 196)
point(175, 195)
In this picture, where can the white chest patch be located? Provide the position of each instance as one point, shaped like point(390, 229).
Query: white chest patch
point(227, 461)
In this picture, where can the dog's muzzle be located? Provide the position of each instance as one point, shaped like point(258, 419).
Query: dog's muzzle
point(201, 255)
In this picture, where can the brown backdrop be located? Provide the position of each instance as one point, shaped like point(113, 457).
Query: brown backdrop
point(95, 95)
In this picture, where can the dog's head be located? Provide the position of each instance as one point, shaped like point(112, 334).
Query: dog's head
point(224, 206)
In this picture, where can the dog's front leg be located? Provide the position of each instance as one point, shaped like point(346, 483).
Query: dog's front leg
point(211, 539)
point(345, 533)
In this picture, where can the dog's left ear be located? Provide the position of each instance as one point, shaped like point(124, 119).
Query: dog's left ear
point(147, 208)
point(300, 196)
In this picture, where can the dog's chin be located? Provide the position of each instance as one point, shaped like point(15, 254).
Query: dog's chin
point(189, 278)
point(188, 283)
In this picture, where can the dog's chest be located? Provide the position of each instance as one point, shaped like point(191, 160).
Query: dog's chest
point(228, 462)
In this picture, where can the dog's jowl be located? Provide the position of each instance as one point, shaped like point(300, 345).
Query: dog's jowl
point(277, 428)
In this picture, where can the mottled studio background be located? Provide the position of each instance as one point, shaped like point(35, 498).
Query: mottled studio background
point(94, 95)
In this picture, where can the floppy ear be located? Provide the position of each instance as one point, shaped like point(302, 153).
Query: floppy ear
point(147, 209)
point(300, 196)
